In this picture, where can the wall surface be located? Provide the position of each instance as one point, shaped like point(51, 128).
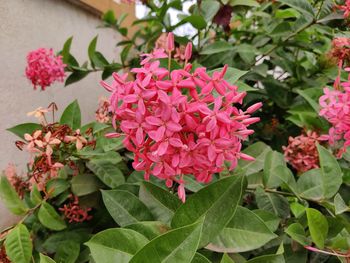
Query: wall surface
point(26, 25)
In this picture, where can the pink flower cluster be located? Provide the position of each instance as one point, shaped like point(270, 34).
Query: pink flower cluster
point(44, 68)
point(74, 212)
point(301, 152)
point(180, 122)
point(345, 8)
point(336, 110)
point(102, 113)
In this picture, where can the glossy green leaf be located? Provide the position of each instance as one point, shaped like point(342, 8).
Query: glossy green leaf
point(219, 198)
point(67, 252)
point(50, 218)
point(18, 245)
point(160, 202)
point(24, 128)
point(330, 172)
point(45, 259)
point(271, 220)
point(259, 151)
point(318, 226)
point(217, 47)
point(72, 116)
point(340, 205)
point(10, 197)
point(246, 231)
point(149, 229)
point(75, 76)
point(115, 245)
point(178, 245)
point(272, 202)
point(297, 233)
point(125, 208)
point(107, 172)
point(84, 184)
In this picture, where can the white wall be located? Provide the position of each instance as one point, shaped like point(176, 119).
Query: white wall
point(26, 25)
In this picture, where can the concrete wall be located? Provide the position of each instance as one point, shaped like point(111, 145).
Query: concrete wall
point(26, 25)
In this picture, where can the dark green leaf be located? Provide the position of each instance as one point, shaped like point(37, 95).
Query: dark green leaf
point(107, 172)
point(76, 76)
point(149, 229)
point(72, 116)
point(217, 47)
point(273, 203)
point(84, 184)
point(67, 252)
point(24, 128)
point(46, 259)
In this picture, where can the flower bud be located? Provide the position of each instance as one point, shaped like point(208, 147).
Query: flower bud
point(254, 107)
point(188, 51)
point(170, 42)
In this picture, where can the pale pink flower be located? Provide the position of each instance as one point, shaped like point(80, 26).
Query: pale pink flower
point(79, 140)
point(102, 113)
point(44, 68)
point(34, 141)
point(39, 113)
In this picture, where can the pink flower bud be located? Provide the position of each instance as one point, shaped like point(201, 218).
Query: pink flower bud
point(188, 51)
point(246, 157)
point(254, 107)
point(170, 42)
point(250, 120)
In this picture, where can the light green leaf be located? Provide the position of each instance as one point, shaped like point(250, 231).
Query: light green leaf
point(268, 259)
point(217, 47)
point(272, 202)
point(257, 150)
point(199, 258)
point(273, 160)
point(18, 245)
point(46, 259)
point(318, 226)
point(244, 2)
point(302, 6)
point(178, 245)
point(11, 198)
point(50, 218)
point(67, 252)
point(125, 208)
point(219, 198)
point(107, 172)
point(72, 116)
point(271, 220)
point(297, 233)
point(115, 245)
point(309, 185)
point(246, 231)
point(340, 205)
point(160, 202)
point(24, 128)
point(197, 21)
point(226, 259)
point(84, 184)
point(330, 172)
point(149, 229)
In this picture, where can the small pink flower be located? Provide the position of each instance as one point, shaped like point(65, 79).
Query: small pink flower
point(44, 68)
point(79, 140)
point(345, 8)
point(170, 42)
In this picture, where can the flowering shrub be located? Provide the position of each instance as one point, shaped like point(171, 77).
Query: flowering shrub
point(248, 126)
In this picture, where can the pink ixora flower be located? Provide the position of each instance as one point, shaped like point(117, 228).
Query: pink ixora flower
point(345, 8)
point(44, 68)
point(173, 123)
point(301, 151)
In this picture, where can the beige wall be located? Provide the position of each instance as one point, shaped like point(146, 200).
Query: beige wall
point(26, 25)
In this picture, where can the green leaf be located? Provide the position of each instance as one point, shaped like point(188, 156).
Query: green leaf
point(48, 216)
point(272, 202)
point(199, 258)
point(107, 172)
point(67, 58)
point(340, 205)
point(309, 185)
point(246, 231)
point(311, 96)
point(72, 116)
point(11, 198)
point(67, 252)
point(178, 245)
point(160, 202)
point(268, 259)
point(226, 259)
point(76, 76)
point(297, 233)
point(287, 13)
point(273, 160)
point(84, 184)
point(219, 198)
point(18, 245)
point(24, 128)
point(56, 186)
point(302, 6)
point(244, 3)
point(95, 57)
point(330, 172)
point(258, 150)
point(271, 220)
point(109, 17)
point(35, 195)
point(216, 47)
point(46, 259)
point(149, 229)
point(125, 208)
point(208, 9)
point(196, 21)
point(115, 245)
point(318, 226)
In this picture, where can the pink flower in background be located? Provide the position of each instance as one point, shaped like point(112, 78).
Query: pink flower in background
point(345, 8)
point(175, 126)
point(102, 113)
point(44, 68)
point(74, 213)
point(17, 181)
point(301, 151)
